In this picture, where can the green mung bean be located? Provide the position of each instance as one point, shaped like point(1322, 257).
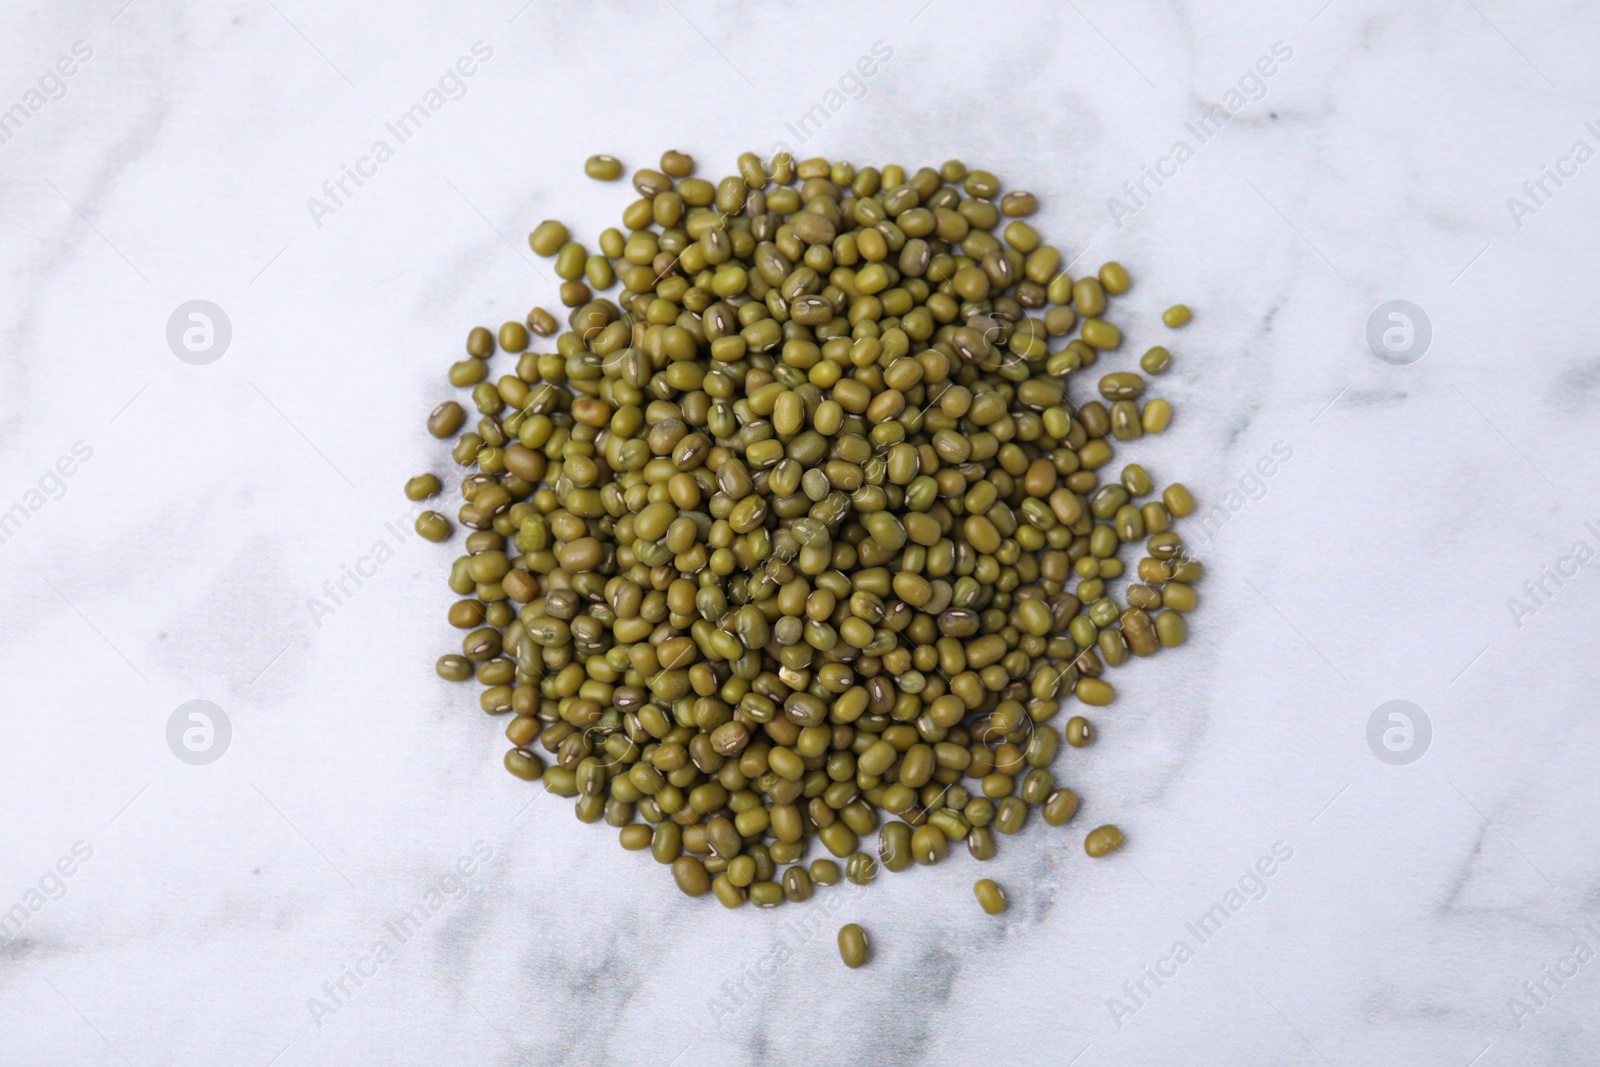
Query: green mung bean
point(1102, 841)
point(422, 487)
point(454, 668)
point(1156, 360)
point(603, 168)
point(852, 945)
point(547, 237)
point(1059, 806)
point(433, 526)
point(1080, 731)
point(991, 898)
point(1114, 278)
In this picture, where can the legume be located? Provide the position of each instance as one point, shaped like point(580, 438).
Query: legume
point(852, 945)
point(798, 536)
point(422, 487)
point(547, 237)
point(1155, 360)
point(603, 168)
point(433, 526)
point(1102, 841)
point(991, 898)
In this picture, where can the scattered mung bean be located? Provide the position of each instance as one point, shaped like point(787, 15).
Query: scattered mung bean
point(1102, 841)
point(991, 898)
point(1155, 360)
point(852, 945)
point(433, 526)
point(603, 168)
point(422, 487)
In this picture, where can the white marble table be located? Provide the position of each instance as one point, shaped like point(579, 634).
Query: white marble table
point(1414, 913)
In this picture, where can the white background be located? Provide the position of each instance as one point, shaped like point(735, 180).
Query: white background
point(179, 563)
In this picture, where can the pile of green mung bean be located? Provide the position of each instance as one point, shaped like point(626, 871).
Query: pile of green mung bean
point(798, 535)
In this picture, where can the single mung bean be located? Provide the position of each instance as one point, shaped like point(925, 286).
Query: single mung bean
point(677, 164)
point(1100, 334)
point(1171, 630)
point(691, 876)
point(542, 322)
point(894, 846)
point(928, 845)
point(1114, 278)
point(1102, 841)
point(422, 487)
point(433, 526)
point(1009, 814)
point(524, 764)
point(991, 898)
point(1080, 731)
point(453, 668)
point(513, 337)
point(1156, 416)
point(1156, 360)
point(603, 168)
point(767, 893)
point(1059, 806)
point(1135, 480)
point(1094, 691)
point(1178, 500)
point(445, 419)
point(852, 945)
point(1121, 385)
point(548, 237)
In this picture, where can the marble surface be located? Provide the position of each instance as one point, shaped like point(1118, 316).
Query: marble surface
point(1414, 914)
